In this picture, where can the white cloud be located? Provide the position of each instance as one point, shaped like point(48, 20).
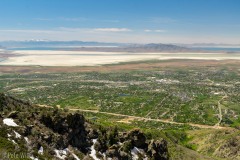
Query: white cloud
point(112, 30)
point(95, 30)
point(66, 29)
point(158, 30)
point(147, 30)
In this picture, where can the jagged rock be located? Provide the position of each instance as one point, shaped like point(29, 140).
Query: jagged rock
point(137, 138)
point(26, 130)
point(158, 150)
point(92, 133)
point(98, 146)
point(113, 151)
point(124, 155)
point(13, 114)
point(71, 129)
point(87, 158)
point(101, 144)
point(126, 146)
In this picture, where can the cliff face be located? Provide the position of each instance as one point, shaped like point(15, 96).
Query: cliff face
point(32, 132)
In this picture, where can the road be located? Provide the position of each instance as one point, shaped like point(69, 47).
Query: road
point(150, 119)
point(146, 119)
point(220, 111)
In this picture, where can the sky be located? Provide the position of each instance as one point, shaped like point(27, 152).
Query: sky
point(126, 21)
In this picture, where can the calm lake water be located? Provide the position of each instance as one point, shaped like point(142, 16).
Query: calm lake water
point(36, 48)
point(67, 48)
point(219, 49)
point(2, 59)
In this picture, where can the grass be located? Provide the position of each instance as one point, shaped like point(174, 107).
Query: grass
point(77, 102)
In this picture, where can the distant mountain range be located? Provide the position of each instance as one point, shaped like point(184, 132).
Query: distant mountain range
point(116, 47)
point(209, 45)
point(46, 43)
point(153, 47)
point(146, 48)
point(93, 46)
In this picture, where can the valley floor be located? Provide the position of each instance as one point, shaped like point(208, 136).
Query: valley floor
point(180, 100)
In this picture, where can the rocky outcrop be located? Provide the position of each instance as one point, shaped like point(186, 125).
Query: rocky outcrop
point(133, 143)
point(70, 127)
point(137, 138)
point(48, 133)
point(158, 149)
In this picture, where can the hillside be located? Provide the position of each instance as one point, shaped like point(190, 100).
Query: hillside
point(32, 132)
point(224, 144)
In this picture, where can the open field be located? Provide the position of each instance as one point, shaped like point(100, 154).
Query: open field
point(130, 66)
point(86, 58)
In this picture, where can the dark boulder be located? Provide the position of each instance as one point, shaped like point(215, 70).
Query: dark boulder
point(158, 150)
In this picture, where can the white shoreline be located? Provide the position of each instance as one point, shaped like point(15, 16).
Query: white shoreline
point(84, 58)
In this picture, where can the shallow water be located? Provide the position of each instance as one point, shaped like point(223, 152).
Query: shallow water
point(2, 59)
point(219, 49)
point(226, 49)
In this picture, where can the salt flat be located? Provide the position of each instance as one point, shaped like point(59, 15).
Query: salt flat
point(82, 58)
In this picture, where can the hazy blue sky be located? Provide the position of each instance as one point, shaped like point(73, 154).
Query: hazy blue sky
point(165, 21)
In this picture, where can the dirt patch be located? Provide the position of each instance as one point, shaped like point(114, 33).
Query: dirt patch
point(127, 120)
point(123, 67)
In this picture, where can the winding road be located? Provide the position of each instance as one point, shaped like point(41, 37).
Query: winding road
point(220, 111)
